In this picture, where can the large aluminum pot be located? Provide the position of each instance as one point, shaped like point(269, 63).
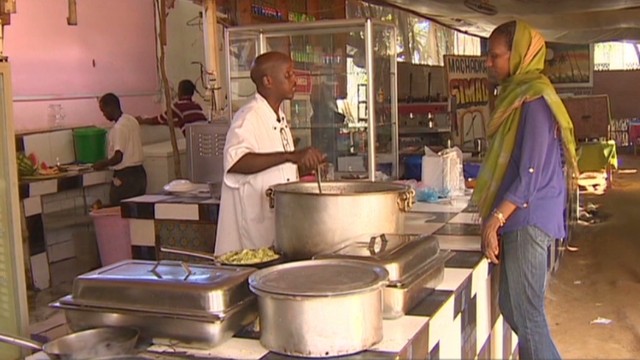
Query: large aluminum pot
point(320, 308)
point(309, 222)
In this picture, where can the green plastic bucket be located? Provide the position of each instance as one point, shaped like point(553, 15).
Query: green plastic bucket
point(90, 144)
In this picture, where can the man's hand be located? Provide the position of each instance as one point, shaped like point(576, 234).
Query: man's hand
point(100, 165)
point(308, 158)
point(490, 246)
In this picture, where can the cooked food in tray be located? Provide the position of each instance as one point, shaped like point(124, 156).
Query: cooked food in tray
point(249, 256)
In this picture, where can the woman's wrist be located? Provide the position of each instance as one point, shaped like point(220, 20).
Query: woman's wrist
point(497, 214)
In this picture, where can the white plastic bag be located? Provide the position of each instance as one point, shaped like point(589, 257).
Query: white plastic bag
point(432, 167)
point(452, 172)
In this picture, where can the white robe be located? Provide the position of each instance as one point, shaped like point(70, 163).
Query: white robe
point(245, 220)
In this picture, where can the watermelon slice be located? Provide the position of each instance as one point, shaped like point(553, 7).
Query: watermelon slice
point(34, 160)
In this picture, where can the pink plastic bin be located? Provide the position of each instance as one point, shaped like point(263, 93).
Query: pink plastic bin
point(112, 233)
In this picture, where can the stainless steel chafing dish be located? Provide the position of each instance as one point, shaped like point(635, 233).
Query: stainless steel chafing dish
point(198, 304)
point(415, 264)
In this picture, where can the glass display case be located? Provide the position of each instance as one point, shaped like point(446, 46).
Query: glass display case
point(346, 95)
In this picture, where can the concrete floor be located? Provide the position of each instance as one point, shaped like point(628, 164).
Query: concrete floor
point(602, 278)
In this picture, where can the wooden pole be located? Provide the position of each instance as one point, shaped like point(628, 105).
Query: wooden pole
point(213, 63)
point(162, 10)
point(72, 18)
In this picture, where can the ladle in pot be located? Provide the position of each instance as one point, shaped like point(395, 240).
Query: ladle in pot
point(318, 180)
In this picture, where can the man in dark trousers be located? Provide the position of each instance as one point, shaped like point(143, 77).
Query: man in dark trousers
point(125, 154)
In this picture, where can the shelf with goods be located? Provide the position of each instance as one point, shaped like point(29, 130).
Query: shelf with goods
point(248, 12)
point(329, 60)
point(423, 124)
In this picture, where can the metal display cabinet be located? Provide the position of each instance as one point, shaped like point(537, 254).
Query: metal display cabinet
point(346, 96)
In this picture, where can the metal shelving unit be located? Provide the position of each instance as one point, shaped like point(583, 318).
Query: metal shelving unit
point(330, 44)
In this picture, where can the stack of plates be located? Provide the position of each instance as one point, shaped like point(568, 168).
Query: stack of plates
point(180, 186)
point(183, 187)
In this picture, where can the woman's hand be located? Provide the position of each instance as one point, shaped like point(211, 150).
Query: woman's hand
point(490, 246)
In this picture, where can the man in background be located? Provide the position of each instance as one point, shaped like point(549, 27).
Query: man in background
point(185, 110)
point(125, 154)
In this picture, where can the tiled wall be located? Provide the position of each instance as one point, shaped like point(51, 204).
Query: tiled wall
point(66, 200)
point(58, 228)
point(51, 147)
point(69, 236)
point(74, 199)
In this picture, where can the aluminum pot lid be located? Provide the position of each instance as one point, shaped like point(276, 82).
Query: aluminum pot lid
point(327, 277)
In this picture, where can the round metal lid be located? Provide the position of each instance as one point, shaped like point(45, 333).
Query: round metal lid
point(319, 278)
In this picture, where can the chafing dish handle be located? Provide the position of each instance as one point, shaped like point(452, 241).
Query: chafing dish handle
point(372, 244)
point(184, 265)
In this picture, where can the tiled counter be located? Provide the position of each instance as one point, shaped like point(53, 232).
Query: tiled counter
point(38, 197)
point(460, 319)
point(187, 222)
point(148, 215)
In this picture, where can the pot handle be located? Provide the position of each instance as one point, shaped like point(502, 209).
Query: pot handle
point(406, 200)
point(20, 341)
point(272, 200)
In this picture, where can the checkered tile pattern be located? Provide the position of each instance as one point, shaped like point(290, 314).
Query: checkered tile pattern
point(30, 194)
point(460, 319)
point(171, 207)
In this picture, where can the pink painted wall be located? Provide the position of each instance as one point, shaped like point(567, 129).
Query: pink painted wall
point(112, 49)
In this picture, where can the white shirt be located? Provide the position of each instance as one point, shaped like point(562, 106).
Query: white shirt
point(245, 220)
point(125, 136)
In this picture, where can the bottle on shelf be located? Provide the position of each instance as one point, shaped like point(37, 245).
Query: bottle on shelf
point(296, 120)
point(55, 115)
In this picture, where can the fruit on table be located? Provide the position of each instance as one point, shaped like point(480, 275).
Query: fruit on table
point(27, 165)
point(45, 169)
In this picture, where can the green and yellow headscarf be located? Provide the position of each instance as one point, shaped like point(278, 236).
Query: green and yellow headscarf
point(525, 83)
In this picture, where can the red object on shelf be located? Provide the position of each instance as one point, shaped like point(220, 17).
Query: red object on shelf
point(303, 81)
point(634, 133)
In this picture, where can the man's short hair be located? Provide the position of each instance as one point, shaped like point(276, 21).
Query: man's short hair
point(263, 65)
point(110, 99)
point(186, 88)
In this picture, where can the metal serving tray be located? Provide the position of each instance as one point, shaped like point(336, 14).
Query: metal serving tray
point(197, 331)
point(402, 297)
point(401, 254)
point(163, 287)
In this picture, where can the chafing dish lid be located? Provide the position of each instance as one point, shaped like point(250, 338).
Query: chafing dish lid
point(400, 254)
point(166, 286)
point(315, 278)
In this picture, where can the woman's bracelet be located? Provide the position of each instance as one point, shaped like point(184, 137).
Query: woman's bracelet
point(500, 216)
